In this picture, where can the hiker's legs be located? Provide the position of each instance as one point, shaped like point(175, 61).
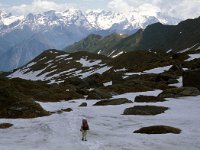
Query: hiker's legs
point(84, 134)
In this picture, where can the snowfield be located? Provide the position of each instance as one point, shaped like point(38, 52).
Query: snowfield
point(109, 130)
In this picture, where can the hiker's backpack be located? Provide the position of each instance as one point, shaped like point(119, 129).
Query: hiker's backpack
point(85, 125)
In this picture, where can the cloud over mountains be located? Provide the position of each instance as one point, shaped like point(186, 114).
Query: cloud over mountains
point(182, 9)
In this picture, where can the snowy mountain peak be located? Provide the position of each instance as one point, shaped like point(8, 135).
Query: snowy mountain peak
point(3, 14)
point(91, 20)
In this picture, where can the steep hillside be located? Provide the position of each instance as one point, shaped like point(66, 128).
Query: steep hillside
point(20, 54)
point(185, 35)
point(164, 37)
point(96, 44)
point(56, 66)
point(87, 44)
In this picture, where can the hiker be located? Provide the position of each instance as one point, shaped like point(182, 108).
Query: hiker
point(84, 129)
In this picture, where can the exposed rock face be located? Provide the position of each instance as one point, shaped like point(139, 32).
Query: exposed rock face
point(179, 92)
point(57, 96)
point(160, 129)
point(191, 78)
point(166, 77)
point(145, 110)
point(94, 80)
point(146, 99)
point(84, 104)
point(67, 110)
point(112, 102)
point(15, 105)
point(176, 69)
point(98, 94)
point(77, 82)
point(5, 125)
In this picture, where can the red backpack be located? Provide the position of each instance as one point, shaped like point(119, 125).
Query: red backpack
point(85, 125)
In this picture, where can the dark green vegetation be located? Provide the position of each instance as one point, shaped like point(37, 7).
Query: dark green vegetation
point(94, 43)
point(5, 125)
point(159, 129)
point(145, 110)
point(156, 36)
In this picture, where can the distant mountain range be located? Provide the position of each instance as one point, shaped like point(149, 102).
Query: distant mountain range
point(24, 37)
point(157, 36)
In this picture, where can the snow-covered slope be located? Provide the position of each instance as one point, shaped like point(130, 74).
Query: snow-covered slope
point(56, 66)
point(109, 130)
point(8, 19)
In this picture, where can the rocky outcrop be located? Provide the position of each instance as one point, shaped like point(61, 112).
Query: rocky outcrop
point(176, 69)
point(15, 105)
point(67, 110)
point(159, 129)
point(179, 92)
point(84, 104)
point(112, 102)
point(191, 78)
point(145, 110)
point(5, 125)
point(148, 99)
point(98, 94)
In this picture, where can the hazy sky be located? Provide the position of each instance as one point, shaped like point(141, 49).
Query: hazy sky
point(177, 8)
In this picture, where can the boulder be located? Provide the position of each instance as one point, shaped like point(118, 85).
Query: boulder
point(5, 125)
point(16, 105)
point(145, 110)
point(77, 82)
point(148, 99)
point(176, 69)
point(172, 81)
point(159, 129)
point(94, 80)
point(118, 101)
point(166, 77)
point(67, 110)
point(191, 78)
point(179, 92)
point(84, 104)
point(98, 94)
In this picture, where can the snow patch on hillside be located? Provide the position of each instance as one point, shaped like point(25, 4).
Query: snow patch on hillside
point(193, 56)
point(179, 84)
point(88, 63)
point(158, 70)
point(117, 54)
point(108, 83)
point(187, 49)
